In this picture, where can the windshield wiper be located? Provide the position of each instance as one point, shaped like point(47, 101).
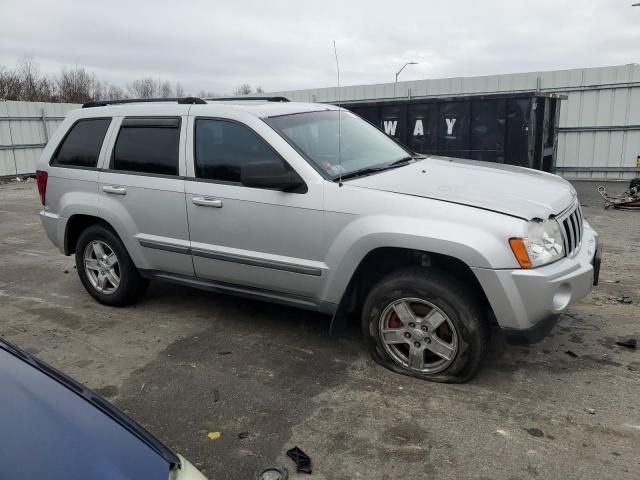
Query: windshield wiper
point(360, 173)
point(370, 170)
point(401, 161)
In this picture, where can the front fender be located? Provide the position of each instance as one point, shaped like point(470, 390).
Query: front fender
point(481, 243)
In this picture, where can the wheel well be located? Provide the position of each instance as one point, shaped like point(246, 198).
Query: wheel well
point(75, 226)
point(380, 262)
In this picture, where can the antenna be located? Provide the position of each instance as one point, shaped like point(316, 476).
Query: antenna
point(335, 51)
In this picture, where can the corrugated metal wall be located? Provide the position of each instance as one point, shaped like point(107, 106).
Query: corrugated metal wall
point(25, 128)
point(599, 123)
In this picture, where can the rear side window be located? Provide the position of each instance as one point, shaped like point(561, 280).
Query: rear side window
point(147, 146)
point(81, 147)
point(222, 147)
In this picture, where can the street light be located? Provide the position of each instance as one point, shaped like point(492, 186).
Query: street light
point(403, 67)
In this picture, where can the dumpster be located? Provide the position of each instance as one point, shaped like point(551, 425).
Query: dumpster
point(517, 129)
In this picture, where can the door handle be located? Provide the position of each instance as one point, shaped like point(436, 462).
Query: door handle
point(114, 190)
point(207, 202)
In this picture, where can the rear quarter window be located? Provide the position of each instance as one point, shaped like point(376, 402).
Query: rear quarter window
point(81, 146)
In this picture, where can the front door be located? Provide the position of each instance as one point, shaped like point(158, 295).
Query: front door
point(264, 239)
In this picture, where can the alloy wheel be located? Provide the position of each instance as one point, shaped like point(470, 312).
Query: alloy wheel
point(418, 335)
point(101, 267)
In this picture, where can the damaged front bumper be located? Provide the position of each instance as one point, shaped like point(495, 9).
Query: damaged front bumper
point(527, 302)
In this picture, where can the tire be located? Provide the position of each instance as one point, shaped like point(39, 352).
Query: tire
point(103, 287)
point(447, 320)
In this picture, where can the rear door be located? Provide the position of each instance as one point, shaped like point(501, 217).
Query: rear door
point(266, 239)
point(142, 186)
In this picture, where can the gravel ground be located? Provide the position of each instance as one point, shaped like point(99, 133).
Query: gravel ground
point(185, 363)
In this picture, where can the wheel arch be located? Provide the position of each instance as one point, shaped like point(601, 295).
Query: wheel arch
point(76, 224)
point(381, 261)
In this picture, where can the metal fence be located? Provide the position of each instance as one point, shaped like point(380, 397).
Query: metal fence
point(599, 135)
point(25, 128)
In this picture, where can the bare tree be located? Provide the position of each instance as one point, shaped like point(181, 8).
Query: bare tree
point(259, 89)
point(10, 86)
point(115, 93)
point(143, 88)
point(29, 74)
point(98, 89)
point(207, 94)
point(244, 89)
point(164, 89)
point(76, 85)
point(46, 90)
point(33, 86)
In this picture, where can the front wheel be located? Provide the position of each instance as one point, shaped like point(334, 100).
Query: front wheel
point(427, 324)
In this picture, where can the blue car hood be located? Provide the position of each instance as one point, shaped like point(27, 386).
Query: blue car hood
point(55, 429)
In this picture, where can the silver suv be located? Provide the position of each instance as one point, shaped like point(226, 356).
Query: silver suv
point(309, 205)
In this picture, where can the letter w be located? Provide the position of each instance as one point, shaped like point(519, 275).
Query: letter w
point(390, 127)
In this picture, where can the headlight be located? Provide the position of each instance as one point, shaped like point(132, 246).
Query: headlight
point(542, 245)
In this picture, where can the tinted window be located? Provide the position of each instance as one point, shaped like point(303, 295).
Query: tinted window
point(148, 147)
point(81, 147)
point(223, 147)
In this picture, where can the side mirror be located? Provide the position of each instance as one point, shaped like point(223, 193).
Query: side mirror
point(270, 174)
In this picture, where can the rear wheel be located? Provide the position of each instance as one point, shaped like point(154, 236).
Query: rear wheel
point(427, 324)
point(105, 269)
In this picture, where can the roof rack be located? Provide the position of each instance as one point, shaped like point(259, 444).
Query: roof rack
point(248, 98)
point(183, 100)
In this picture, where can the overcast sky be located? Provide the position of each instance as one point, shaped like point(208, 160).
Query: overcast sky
point(281, 45)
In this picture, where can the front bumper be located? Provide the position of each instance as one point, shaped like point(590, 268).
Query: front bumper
point(526, 302)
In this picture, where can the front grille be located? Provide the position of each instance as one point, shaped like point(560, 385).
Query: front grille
point(571, 223)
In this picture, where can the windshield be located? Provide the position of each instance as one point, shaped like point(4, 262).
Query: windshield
point(362, 146)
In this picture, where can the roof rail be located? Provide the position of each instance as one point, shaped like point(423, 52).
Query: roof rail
point(248, 98)
point(183, 100)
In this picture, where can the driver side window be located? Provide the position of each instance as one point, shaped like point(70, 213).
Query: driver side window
point(222, 147)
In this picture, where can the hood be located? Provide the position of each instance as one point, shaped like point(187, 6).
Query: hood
point(55, 429)
point(516, 191)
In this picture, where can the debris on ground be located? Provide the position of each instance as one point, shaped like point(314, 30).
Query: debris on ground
point(535, 432)
point(624, 299)
point(629, 199)
point(614, 300)
point(216, 397)
point(214, 435)
point(571, 354)
point(629, 343)
point(273, 474)
point(243, 435)
point(590, 411)
point(301, 459)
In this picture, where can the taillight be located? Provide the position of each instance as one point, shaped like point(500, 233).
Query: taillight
point(41, 180)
